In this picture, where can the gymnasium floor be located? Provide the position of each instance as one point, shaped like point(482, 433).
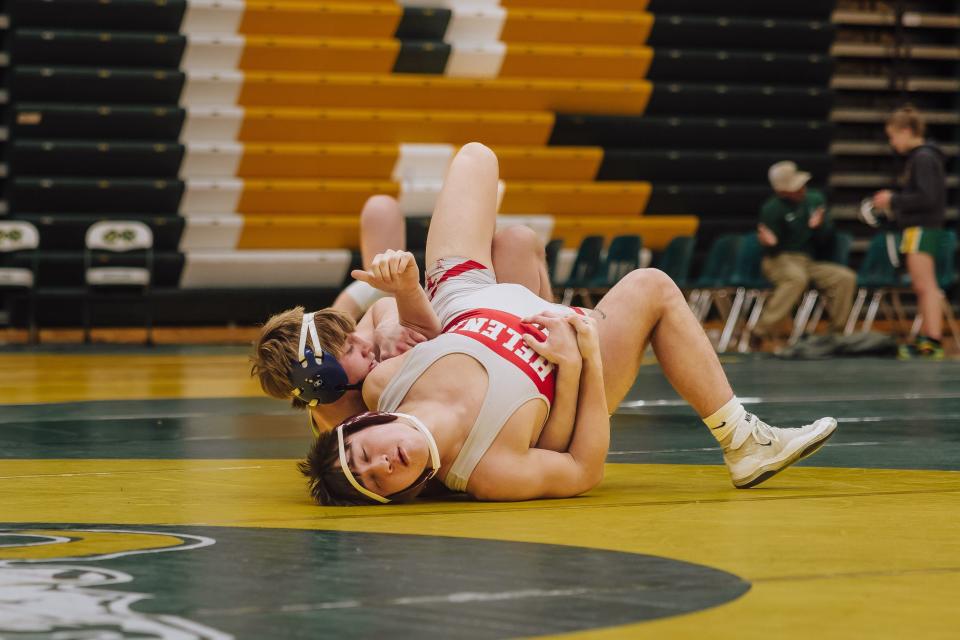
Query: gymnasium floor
point(152, 494)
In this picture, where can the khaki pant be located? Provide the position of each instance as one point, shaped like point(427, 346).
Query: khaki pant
point(791, 275)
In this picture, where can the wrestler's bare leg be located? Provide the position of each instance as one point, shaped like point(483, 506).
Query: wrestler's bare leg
point(382, 227)
point(645, 306)
point(465, 215)
point(519, 258)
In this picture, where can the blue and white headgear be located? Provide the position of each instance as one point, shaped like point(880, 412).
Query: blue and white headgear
point(316, 376)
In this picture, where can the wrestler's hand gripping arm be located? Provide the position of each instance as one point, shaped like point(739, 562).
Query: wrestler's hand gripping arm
point(538, 473)
point(560, 348)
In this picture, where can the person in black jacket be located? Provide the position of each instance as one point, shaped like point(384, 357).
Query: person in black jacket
point(919, 209)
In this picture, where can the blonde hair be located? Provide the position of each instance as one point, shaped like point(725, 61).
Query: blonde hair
point(276, 348)
point(907, 117)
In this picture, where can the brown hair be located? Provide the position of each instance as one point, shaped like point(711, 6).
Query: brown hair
point(907, 117)
point(325, 479)
point(276, 348)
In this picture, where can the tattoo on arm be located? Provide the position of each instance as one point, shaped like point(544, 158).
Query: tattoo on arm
point(599, 312)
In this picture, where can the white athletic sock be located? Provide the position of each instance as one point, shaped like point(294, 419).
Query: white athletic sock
point(726, 419)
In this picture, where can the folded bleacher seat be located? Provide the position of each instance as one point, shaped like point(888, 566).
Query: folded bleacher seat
point(689, 132)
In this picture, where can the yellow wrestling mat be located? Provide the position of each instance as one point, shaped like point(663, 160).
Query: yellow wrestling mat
point(665, 548)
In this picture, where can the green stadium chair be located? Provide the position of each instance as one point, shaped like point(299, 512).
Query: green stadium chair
point(585, 267)
point(552, 251)
point(676, 260)
point(135, 240)
point(712, 286)
point(877, 274)
point(65, 232)
point(752, 290)
point(622, 257)
point(19, 241)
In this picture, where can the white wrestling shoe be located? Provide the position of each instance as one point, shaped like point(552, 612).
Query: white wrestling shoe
point(758, 453)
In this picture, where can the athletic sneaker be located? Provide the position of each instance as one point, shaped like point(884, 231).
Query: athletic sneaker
point(924, 348)
point(758, 451)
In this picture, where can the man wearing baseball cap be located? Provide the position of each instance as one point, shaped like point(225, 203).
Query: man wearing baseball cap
point(795, 229)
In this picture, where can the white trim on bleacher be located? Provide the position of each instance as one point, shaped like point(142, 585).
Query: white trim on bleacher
point(211, 160)
point(475, 24)
point(265, 269)
point(209, 88)
point(418, 198)
point(211, 232)
point(476, 60)
point(212, 16)
point(211, 196)
point(422, 161)
point(211, 124)
point(206, 52)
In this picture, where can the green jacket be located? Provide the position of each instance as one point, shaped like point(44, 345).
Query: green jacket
point(790, 221)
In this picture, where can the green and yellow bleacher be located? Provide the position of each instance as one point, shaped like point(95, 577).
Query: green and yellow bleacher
point(263, 126)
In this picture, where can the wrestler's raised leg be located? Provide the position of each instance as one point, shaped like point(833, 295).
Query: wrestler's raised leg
point(464, 218)
point(646, 306)
point(519, 258)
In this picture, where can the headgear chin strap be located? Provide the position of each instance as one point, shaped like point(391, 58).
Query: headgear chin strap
point(409, 491)
point(317, 379)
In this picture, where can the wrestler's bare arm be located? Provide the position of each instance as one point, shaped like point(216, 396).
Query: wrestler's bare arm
point(538, 473)
point(396, 272)
point(558, 429)
point(560, 349)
